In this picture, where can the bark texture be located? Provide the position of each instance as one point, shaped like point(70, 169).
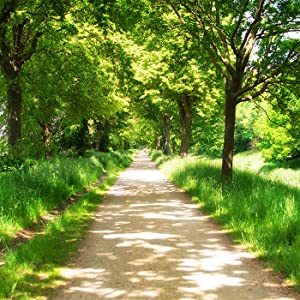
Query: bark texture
point(14, 105)
point(227, 160)
point(185, 105)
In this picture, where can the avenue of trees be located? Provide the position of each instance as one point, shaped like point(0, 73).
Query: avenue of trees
point(212, 77)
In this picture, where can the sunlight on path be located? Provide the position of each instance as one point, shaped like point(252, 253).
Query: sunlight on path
point(149, 241)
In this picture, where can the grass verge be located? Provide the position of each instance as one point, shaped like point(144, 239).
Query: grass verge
point(32, 270)
point(262, 214)
point(27, 194)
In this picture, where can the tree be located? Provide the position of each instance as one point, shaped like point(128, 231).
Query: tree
point(22, 23)
point(150, 101)
point(248, 43)
point(173, 77)
point(71, 81)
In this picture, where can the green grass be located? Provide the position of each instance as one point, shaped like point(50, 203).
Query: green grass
point(33, 269)
point(27, 194)
point(159, 157)
point(287, 172)
point(261, 213)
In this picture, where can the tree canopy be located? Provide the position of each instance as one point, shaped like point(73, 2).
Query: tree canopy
point(167, 74)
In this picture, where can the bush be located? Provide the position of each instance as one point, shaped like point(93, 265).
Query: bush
point(155, 154)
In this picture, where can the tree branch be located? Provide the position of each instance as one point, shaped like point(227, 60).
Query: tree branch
point(33, 44)
point(267, 115)
point(8, 8)
point(252, 30)
point(177, 13)
point(238, 24)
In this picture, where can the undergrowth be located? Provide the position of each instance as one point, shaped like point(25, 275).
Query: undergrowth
point(260, 213)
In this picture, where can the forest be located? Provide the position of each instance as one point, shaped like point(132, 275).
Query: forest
point(88, 80)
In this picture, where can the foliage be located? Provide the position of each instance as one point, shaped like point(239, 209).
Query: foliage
point(207, 127)
point(110, 78)
point(10, 162)
point(70, 88)
point(279, 138)
point(22, 24)
point(173, 83)
point(155, 154)
point(245, 134)
point(159, 157)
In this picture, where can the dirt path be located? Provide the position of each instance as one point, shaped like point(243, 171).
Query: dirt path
point(149, 241)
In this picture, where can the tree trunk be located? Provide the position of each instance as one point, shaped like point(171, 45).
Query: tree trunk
point(185, 104)
point(102, 136)
point(46, 135)
point(158, 143)
point(230, 114)
point(167, 135)
point(82, 139)
point(98, 133)
point(46, 138)
point(14, 106)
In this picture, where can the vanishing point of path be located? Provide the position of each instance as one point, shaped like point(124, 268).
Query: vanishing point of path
point(149, 241)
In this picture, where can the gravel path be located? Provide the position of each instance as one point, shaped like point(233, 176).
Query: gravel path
point(149, 241)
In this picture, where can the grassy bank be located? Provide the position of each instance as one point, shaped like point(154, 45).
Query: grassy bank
point(27, 194)
point(261, 210)
point(32, 270)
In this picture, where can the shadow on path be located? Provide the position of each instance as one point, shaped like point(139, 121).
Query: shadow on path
point(149, 241)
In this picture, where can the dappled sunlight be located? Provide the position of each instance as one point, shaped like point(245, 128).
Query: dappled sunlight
point(139, 235)
point(83, 273)
point(211, 282)
point(168, 216)
point(149, 241)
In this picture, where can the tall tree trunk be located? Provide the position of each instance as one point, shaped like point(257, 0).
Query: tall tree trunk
point(185, 105)
point(167, 134)
point(82, 139)
point(102, 136)
point(228, 146)
point(158, 143)
point(18, 42)
point(98, 134)
point(14, 105)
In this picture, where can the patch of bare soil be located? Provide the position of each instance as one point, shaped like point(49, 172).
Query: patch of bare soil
point(149, 241)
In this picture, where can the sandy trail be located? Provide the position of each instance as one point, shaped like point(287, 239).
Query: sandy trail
point(149, 241)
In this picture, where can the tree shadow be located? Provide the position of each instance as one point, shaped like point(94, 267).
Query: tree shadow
point(149, 241)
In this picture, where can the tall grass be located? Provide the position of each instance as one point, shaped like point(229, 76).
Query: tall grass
point(287, 172)
point(159, 157)
point(260, 213)
point(27, 194)
point(32, 270)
